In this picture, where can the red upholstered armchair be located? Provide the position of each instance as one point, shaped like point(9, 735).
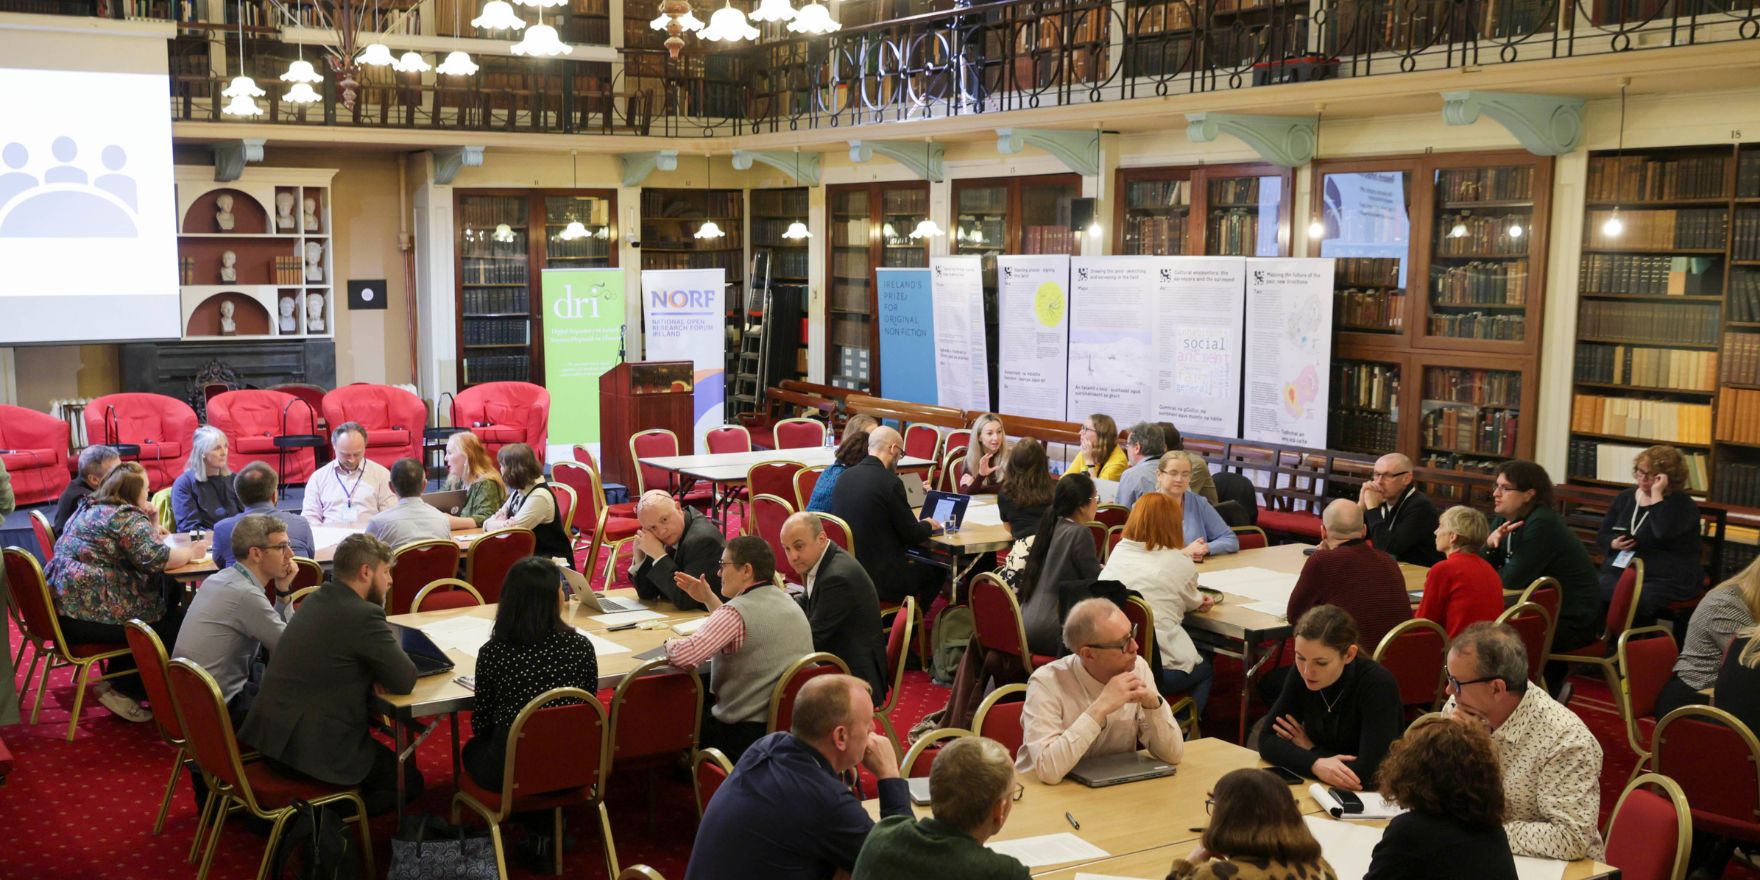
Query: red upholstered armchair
point(161, 426)
point(500, 413)
point(36, 453)
point(253, 418)
point(393, 417)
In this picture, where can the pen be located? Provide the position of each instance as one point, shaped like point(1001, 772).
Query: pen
point(1072, 821)
point(614, 629)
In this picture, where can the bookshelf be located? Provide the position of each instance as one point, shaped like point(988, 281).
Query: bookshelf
point(870, 226)
point(772, 212)
point(1668, 320)
point(670, 220)
point(500, 323)
point(1439, 273)
point(1219, 210)
point(269, 254)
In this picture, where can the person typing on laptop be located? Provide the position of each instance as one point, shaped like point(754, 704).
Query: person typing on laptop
point(1100, 699)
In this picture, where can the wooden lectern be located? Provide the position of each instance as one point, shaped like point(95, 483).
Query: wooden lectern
point(634, 397)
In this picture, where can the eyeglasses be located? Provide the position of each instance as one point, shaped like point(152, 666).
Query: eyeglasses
point(278, 548)
point(1177, 475)
point(1090, 429)
point(1379, 475)
point(1209, 805)
point(1499, 488)
point(1127, 645)
point(1458, 685)
point(1019, 792)
point(1639, 474)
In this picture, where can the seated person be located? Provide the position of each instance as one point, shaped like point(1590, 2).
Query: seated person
point(531, 504)
point(1206, 532)
point(1551, 762)
point(1528, 541)
point(95, 463)
point(850, 453)
point(312, 715)
point(1098, 700)
point(786, 812)
point(202, 494)
point(350, 488)
point(971, 791)
point(1255, 833)
point(1738, 682)
point(1148, 561)
point(411, 518)
point(1445, 774)
point(1356, 577)
point(257, 485)
point(1658, 522)
point(871, 499)
point(1144, 447)
point(1730, 608)
point(986, 457)
point(1202, 482)
point(1101, 456)
point(1062, 565)
point(1463, 588)
point(753, 638)
point(839, 600)
point(1401, 519)
point(1027, 492)
point(673, 541)
point(469, 467)
point(1339, 712)
point(230, 617)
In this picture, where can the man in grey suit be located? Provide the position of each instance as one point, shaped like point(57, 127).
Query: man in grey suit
point(839, 600)
point(310, 718)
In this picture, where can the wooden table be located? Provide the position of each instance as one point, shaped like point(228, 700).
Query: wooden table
point(323, 554)
point(723, 468)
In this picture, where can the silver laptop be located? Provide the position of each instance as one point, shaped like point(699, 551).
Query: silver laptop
point(914, 490)
point(577, 586)
point(1100, 772)
point(1108, 490)
point(919, 786)
point(450, 502)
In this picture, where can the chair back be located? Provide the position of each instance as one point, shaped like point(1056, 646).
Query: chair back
point(1650, 833)
point(566, 504)
point(1546, 593)
point(1627, 593)
point(639, 872)
point(805, 481)
point(838, 531)
point(729, 438)
point(1113, 536)
point(30, 593)
point(1142, 617)
point(921, 755)
point(954, 469)
point(1237, 488)
point(957, 439)
point(768, 514)
point(307, 573)
point(1531, 622)
point(1646, 663)
point(898, 640)
point(445, 593)
point(45, 535)
point(996, 619)
point(583, 482)
point(555, 747)
point(772, 478)
point(1416, 652)
point(922, 441)
point(999, 716)
point(414, 566)
point(652, 443)
point(1098, 531)
point(584, 455)
point(1112, 514)
point(655, 710)
point(789, 685)
point(207, 729)
point(1715, 759)
point(151, 660)
point(709, 768)
point(493, 555)
point(798, 433)
point(1251, 537)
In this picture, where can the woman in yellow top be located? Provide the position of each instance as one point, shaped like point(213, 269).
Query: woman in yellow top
point(1100, 444)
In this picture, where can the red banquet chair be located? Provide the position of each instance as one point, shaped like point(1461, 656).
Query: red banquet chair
point(1715, 759)
point(253, 418)
point(768, 513)
point(798, 433)
point(809, 667)
point(36, 453)
point(709, 768)
point(1416, 653)
point(414, 566)
point(1646, 662)
point(658, 443)
point(999, 716)
point(656, 710)
point(1650, 833)
point(594, 525)
point(392, 417)
point(500, 413)
point(151, 428)
point(996, 622)
point(492, 556)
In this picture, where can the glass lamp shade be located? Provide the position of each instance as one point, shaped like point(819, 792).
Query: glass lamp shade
point(1316, 228)
point(708, 230)
point(541, 39)
point(503, 232)
point(603, 233)
point(243, 86)
point(574, 230)
point(1614, 226)
point(242, 105)
point(412, 62)
point(1458, 230)
point(773, 10)
point(1516, 230)
point(541, 4)
point(301, 93)
point(926, 229)
point(813, 18)
point(378, 55)
point(300, 71)
point(690, 22)
point(728, 25)
point(457, 64)
point(797, 231)
point(498, 15)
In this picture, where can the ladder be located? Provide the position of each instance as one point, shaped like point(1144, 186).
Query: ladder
point(751, 350)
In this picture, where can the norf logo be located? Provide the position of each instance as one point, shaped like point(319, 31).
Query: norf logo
point(681, 299)
point(573, 306)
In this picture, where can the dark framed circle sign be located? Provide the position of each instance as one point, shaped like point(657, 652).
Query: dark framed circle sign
point(369, 294)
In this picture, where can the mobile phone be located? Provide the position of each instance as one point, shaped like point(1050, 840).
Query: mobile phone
point(1348, 802)
point(1287, 775)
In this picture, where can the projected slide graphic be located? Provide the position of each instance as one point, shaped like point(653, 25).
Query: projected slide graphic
point(63, 204)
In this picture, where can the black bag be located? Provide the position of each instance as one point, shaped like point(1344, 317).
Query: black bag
point(430, 848)
point(316, 844)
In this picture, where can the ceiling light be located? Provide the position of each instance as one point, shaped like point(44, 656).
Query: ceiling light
point(242, 86)
point(813, 18)
point(574, 230)
point(242, 105)
point(926, 228)
point(301, 93)
point(457, 64)
point(708, 230)
point(729, 25)
point(773, 10)
point(503, 232)
point(412, 62)
point(378, 55)
point(541, 40)
point(796, 231)
point(1613, 227)
point(498, 15)
point(300, 71)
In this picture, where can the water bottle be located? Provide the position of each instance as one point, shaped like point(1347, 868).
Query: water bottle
point(830, 441)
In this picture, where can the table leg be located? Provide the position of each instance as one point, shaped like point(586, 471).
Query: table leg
point(453, 717)
point(398, 734)
point(1246, 688)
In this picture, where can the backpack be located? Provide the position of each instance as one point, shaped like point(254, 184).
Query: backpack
point(948, 637)
point(315, 845)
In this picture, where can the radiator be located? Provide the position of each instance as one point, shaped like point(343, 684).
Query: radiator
point(72, 411)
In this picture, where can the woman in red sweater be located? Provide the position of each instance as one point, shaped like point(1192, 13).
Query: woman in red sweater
point(1463, 588)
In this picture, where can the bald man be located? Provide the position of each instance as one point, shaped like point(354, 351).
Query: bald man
point(1348, 572)
point(840, 601)
point(870, 497)
point(676, 544)
point(1401, 520)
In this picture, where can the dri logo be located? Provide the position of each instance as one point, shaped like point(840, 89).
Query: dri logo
point(573, 306)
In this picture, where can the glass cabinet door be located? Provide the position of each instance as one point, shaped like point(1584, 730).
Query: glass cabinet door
point(495, 325)
point(1367, 215)
point(1469, 419)
point(1157, 217)
point(900, 212)
point(1045, 218)
point(847, 318)
point(564, 248)
point(1479, 275)
point(1365, 406)
point(1244, 216)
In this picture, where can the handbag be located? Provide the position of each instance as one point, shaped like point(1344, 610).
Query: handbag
point(430, 848)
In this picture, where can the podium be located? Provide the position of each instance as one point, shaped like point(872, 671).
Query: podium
point(634, 397)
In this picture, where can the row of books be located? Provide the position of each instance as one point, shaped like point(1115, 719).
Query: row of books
point(1612, 463)
point(1371, 309)
point(288, 269)
point(186, 270)
point(1372, 433)
point(718, 203)
point(1366, 271)
point(1646, 367)
point(578, 250)
point(1741, 358)
point(1684, 323)
point(1469, 429)
point(1633, 417)
point(982, 200)
point(681, 235)
point(1661, 230)
point(1149, 195)
point(1364, 385)
point(1485, 184)
point(1738, 482)
point(1738, 415)
point(1479, 325)
point(509, 300)
point(980, 234)
point(1455, 461)
point(1648, 178)
point(1488, 282)
point(849, 298)
point(1234, 191)
point(790, 202)
point(1472, 235)
point(731, 262)
point(1156, 235)
point(1050, 240)
point(1234, 232)
point(1744, 295)
point(908, 257)
point(849, 264)
point(1748, 175)
point(788, 263)
point(850, 233)
point(1158, 17)
point(497, 331)
point(488, 212)
point(1747, 243)
point(497, 368)
point(767, 231)
point(1481, 387)
point(478, 270)
point(1644, 275)
point(852, 335)
point(905, 201)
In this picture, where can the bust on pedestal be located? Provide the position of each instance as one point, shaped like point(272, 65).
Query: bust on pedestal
point(288, 323)
point(223, 218)
point(228, 326)
point(314, 313)
point(314, 261)
point(228, 267)
point(284, 210)
point(309, 219)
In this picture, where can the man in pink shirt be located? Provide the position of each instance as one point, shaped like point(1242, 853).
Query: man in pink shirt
point(350, 489)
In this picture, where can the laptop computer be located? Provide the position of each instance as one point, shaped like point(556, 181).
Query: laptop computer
point(1107, 489)
point(946, 508)
point(1100, 772)
point(574, 584)
point(919, 786)
point(914, 490)
point(422, 651)
point(449, 502)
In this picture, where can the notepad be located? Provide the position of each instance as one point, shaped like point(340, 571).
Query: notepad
point(622, 617)
point(1048, 849)
point(1258, 584)
point(602, 645)
point(688, 627)
point(1374, 805)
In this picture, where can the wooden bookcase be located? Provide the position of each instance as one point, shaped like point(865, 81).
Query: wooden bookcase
point(772, 212)
point(869, 226)
point(1668, 324)
point(500, 321)
point(1438, 304)
point(270, 266)
point(1232, 210)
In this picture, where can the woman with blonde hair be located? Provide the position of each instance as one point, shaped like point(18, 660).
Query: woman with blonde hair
point(203, 494)
point(1731, 607)
point(469, 467)
point(1101, 456)
point(1658, 522)
point(1463, 588)
point(986, 456)
point(1149, 560)
point(1255, 833)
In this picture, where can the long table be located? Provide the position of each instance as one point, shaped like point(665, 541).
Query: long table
point(722, 468)
point(324, 553)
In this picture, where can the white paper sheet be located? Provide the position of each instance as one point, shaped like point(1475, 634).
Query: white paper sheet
point(1374, 805)
point(602, 645)
point(330, 536)
point(1048, 849)
point(463, 633)
point(1258, 584)
point(622, 617)
point(1083, 875)
point(1528, 868)
point(982, 515)
point(687, 627)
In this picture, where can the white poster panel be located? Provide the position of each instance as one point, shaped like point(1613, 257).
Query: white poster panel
point(1200, 305)
point(686, 318)
point(1033, 294)
point(1111, 337)
point(962, 368)
point(1289, 343)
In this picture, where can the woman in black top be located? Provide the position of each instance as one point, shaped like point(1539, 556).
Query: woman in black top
point(1338, 714)
point(530, 651)
point(1738, 683)
point(1026, 492)
point(1658, 522)
point(1446, 775)
point(1062, 564)
point(531, 504)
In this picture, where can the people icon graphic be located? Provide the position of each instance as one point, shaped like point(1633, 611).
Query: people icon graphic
point(65, 202)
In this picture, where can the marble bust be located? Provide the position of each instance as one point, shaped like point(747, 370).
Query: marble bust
point(223, 218)
point(288, 323)
point(314, 261)
point(309, 220)
point(314, 313)
point(228, 326)
point(284, 210)
point(228, 267)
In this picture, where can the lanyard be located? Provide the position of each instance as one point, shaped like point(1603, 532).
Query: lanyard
point(1398, 507)
point(1638, 521)
point(349, 501)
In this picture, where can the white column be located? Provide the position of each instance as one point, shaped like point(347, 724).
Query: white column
point(8, 377)
point(437, 337)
